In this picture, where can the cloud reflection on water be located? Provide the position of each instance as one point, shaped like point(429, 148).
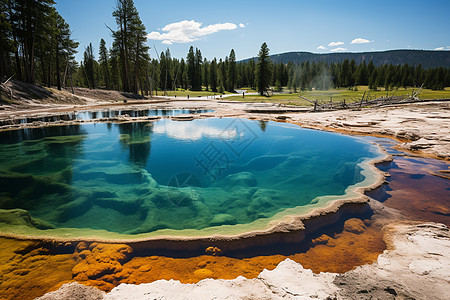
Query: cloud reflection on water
point(194, 131)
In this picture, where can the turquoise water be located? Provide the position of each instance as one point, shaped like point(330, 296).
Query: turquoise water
point(141, 177)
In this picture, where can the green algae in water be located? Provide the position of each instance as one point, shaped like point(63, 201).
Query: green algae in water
point(138, 178)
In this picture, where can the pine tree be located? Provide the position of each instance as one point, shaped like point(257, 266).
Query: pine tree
point(351, 74)
point(206, 71)
point(125, 14)
point(380, 79)
point(65, 47)
point(304, 76)
point(373, 80)
point(418, 76)
point(224, 74)
point(213, 75)
point(6, 40)
point(198, 70)
point(185, 78)
point(345, 74)
point(251, 71)
point(263, 69)
point(440, 79)
point(190, 60)
point(115, 69)
point(166, 71)
point(154, 74)
point(361, 75)
point(139, 51)
point(29, 21)
point(389, 78)
point(89, 66)
point(232, 72)
point(104, 63)
point(221, 78)
point(183, 74)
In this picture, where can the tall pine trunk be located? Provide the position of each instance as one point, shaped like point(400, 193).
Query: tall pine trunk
point(136, 69)
point(124, 34)
point(58, 76)
point(49, 72)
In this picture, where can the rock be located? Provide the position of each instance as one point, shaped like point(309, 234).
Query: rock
point(240, 179)
point(202, 264)
point(412, 136)
point(22, 217)
point(290, 278)
point(214, 251)
point(145, 268)
point(266, 162)
point(173, 197)
point(416, 268)
point(74, 291)
point(203, 273)
point(222, 219)
point(349, 173)
point(355, 226)
point(73, 209)
point(100, 262)
point(81, 246)
point(262, 202)
point(321, 240)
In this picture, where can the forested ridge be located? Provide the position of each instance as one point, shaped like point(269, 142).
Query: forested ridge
point(36, 46)
point(426, 58)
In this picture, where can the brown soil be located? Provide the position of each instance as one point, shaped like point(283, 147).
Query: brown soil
point(106, 95)
point(21, 95)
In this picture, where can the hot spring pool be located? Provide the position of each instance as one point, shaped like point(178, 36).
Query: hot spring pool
point(207, 176)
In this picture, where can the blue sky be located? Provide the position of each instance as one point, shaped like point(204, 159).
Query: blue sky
point(216, 27)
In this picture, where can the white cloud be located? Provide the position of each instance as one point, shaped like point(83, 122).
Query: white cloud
point(439, 48)
point(360, 41)
point(187, 31)
point(334, 44)
point(448, 47)
point(338, 49)
point(321, 47)
point(241, 25)
point(191, 131)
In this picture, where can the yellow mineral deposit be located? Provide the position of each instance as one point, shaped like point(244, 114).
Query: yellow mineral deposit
point(30, 269)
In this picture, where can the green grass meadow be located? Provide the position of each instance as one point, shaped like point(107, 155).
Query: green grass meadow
point(339, 95)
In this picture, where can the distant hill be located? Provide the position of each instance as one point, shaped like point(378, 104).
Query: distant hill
point(428, 58)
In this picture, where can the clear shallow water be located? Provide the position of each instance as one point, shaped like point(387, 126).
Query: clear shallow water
point(87, 115)
point(141, 177)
